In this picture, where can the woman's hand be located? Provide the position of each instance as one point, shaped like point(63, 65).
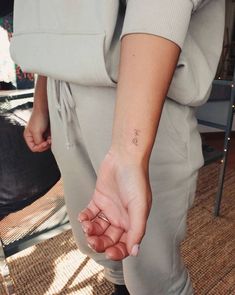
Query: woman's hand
point(37, 132)
point(115, 219)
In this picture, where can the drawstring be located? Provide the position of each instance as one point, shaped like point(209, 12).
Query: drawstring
point(64, 104)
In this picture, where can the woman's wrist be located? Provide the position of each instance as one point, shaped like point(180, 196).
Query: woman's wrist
point(130, 140)
point(126, 154)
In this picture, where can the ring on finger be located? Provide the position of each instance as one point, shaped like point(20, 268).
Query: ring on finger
point(102, 216)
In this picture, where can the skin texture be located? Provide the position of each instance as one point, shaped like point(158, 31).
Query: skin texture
point(122, 192)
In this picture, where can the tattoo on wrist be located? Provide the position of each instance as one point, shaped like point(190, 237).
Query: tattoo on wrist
point(135, 140)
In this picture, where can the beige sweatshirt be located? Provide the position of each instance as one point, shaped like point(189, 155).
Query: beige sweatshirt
point(79, 40)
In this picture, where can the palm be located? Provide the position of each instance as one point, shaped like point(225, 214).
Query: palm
point(118, 190)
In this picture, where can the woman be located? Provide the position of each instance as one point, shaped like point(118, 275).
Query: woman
point(121, 88)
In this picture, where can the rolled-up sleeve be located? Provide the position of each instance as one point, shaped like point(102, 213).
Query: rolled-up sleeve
point(166, 18)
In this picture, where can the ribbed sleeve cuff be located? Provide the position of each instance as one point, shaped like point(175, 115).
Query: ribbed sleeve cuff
point(166, 18)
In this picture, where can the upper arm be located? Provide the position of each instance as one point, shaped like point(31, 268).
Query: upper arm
point(166, 18)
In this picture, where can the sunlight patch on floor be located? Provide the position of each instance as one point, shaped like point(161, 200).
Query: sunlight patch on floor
point(71, 270)
point(22, 253)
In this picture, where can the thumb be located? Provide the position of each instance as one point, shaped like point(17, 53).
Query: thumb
point(138, 215)
point(38, 137)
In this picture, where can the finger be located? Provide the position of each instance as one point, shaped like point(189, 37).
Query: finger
point(95, 227)
point(117, 252)
point(47, 136)
point(110, 237)
point(137, 226)
point(40, 147)
point(40, 150)
point(86, 215)
point(89, 212)
point(43, 145)
point(49, 140)
point(29, 139)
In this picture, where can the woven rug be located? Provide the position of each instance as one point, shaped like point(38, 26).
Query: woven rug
point(57, 267)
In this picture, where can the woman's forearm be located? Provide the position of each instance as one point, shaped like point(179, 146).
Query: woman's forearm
point(40, 96)
point(146, 68)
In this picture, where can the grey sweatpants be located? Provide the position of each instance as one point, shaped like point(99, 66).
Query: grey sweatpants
point(81, 125)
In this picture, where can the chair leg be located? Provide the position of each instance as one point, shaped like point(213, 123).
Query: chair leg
point(220, 187)
point(225, 156)
point(4, 271)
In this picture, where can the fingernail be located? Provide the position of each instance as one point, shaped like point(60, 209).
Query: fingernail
point(107, 256)
point(91, 247)
point(85, 228)
point(135, 250)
